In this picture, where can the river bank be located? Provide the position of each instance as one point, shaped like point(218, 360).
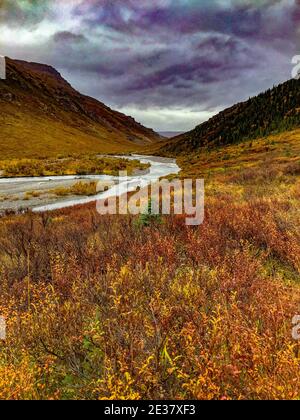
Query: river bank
point(36, 193)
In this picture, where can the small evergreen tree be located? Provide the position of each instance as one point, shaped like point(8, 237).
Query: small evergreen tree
point(148, 218)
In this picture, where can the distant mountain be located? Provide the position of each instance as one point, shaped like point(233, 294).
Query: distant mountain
point(170, 134)
point(273, 111)
point(42, 115)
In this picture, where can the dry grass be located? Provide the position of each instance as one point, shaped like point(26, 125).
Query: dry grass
point(80, 165)
point(80, 188)
point(47, 138)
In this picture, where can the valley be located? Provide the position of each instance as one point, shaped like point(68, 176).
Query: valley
point(146, 307)
point(160, 309)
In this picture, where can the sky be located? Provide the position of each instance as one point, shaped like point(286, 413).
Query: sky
point(171, 64)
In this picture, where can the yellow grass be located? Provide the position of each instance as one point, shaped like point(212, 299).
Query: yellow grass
point(26, 134)
point(80, 165)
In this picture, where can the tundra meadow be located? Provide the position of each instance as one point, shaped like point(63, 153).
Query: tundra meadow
point(146, 307)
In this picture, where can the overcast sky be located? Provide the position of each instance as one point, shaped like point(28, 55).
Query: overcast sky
point(171, 64)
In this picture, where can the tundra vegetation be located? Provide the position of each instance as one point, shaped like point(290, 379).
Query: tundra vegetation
point(69, 165)
point(105, 307)
point(80, 188)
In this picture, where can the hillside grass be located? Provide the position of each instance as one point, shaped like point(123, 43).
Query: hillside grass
point(27, 134)
point(103, 307)
point(279, 151)
point(43, 116)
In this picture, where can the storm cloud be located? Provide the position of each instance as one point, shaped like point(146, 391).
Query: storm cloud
point(170, 63)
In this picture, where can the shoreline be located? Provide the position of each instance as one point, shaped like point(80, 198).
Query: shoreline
point(19, 191)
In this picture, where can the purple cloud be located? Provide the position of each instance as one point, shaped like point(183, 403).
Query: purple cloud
point(181, 54)
point(68, 37)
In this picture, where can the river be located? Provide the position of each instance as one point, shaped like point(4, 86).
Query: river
point(14, 188)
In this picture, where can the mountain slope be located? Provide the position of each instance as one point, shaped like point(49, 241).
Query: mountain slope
point(273, 111)
point(42, 115)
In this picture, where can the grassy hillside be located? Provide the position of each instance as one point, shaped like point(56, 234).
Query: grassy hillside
point(43, 116)
point(274, 111)
point(278, 150)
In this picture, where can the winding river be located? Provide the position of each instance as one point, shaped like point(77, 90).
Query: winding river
point(160, 167)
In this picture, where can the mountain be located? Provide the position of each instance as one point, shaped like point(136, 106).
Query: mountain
point(271, 112)
point(43, 115)
point(170, 134)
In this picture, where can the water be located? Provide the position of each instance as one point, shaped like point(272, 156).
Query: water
point(160, 167)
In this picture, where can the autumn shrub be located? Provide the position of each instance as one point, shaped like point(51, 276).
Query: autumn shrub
point(80, 188)
point(293, 168)
point(99, 309)
point(148, 217)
